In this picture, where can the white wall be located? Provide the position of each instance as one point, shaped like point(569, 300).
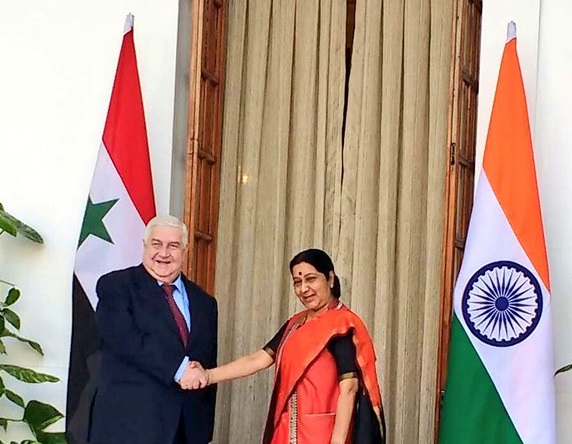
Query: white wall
point(554, 141)
point(58, 64)
point(545, 53)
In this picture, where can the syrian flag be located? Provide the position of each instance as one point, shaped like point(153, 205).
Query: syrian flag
point(500, 386)
point(119, 205)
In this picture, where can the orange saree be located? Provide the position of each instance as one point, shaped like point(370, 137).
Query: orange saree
point(306, 386)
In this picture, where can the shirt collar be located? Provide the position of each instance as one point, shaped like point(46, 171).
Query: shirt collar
point(178, 283)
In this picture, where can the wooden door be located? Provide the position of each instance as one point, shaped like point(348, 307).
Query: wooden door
point(461, 171)
point(204, 138)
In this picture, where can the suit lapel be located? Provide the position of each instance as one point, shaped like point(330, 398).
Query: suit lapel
point(153, 296)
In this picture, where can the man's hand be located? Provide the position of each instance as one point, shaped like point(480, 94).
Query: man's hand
point(194, 377)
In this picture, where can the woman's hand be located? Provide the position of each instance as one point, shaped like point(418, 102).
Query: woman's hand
point(247, 365)
point(194, 377)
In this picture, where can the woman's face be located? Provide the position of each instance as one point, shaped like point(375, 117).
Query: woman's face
point(312, 287)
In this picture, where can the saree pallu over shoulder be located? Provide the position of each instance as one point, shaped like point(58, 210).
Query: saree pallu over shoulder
point(303, 347)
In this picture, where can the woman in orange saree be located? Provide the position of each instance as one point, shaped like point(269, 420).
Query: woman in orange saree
point(325, 383)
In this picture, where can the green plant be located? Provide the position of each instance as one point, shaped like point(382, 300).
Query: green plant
point(36, 415)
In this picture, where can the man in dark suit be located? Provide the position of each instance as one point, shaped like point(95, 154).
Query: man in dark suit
point(152, 321)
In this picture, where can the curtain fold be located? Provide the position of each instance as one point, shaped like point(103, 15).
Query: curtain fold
point(376, 203)
point(393, 194)
point(280, 178)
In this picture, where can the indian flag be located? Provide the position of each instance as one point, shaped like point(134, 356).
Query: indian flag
point(500, 386)
point(119, 205)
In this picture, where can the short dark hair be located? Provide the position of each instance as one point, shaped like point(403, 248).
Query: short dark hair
point(320, 260)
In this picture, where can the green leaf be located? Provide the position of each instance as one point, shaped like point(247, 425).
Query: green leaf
point(2, 348)
point(39, 416)
point(33, 344)
point(15, 398)
point(52, 438)
point(31, 234)
point(27, 375)
point(563, 369)
point(5, 332)
point(9, 223)
point(13, 296)
point(4, 423)
point(12, 318)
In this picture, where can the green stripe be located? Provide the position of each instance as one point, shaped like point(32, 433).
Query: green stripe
point(472, 411)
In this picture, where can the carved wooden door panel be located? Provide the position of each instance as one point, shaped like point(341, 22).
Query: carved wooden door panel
point(204, 138)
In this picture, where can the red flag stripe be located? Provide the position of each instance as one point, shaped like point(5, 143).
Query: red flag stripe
point(125, 134)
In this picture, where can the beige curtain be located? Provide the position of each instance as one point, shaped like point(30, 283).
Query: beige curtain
point(392, 212)
point(376, 204)
point(280, 179)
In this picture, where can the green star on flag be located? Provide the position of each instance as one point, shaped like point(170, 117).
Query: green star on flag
point(93, 220)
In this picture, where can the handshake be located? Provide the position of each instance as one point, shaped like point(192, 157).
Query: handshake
point(194, 377)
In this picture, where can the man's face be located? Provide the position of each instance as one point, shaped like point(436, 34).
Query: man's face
point(163, 253)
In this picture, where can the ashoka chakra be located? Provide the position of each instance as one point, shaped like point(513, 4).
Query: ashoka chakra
point(502, 303)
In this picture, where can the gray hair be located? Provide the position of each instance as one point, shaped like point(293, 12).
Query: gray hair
point(167, 221)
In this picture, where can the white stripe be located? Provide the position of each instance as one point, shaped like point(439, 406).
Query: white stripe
point(95, 256)
point(522, 373)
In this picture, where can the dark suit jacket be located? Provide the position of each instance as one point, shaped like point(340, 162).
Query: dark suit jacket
point(137, 399)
